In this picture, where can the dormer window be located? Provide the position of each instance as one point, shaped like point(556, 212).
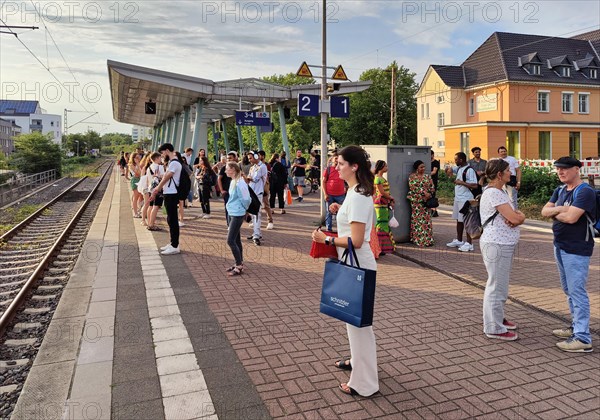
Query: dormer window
point(565, 71)
point(593, 73)
point(531, 63)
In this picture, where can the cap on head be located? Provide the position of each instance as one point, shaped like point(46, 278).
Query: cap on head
point(567, 162)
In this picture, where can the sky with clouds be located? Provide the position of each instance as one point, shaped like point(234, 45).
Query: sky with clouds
point(223, 40)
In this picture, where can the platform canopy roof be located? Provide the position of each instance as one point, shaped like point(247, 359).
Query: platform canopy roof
point(132, 86)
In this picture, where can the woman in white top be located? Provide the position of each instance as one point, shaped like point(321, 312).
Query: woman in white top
point(355, 220)
point(155, 173)
point(498, 242)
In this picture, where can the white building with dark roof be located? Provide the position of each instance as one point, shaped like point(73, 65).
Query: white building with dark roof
point(30, 117)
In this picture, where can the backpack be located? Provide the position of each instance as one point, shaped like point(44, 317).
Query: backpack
point(594, 218)
point(254, 206)
point(475, 191)
point(472, 218)
point(185, 182)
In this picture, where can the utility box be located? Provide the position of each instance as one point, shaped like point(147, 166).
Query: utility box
point(400, 160)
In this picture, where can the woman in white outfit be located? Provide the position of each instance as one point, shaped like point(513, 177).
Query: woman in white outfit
point(498, 242)
point(355, 220)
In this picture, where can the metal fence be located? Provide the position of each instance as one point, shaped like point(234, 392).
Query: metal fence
point(20, 185)
point(590, 168)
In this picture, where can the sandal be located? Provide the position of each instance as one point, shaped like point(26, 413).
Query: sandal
point(233, 267)
point(350, 391)
point(235, 272)
point(343, 364)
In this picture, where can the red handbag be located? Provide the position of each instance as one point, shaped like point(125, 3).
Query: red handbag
point(319, 250)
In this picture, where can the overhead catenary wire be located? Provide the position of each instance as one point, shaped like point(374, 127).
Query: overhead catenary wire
point(48, 33)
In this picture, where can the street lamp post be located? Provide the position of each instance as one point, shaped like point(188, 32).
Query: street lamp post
point(77, 141)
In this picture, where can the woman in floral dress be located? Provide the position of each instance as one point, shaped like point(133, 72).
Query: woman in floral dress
point(383, 202)
point(420, 189)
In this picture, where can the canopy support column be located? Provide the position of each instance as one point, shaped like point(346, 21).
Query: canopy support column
point(225, 139)
point(184, 128)
point(284, 136)
point(258, 138)
point(197, 125)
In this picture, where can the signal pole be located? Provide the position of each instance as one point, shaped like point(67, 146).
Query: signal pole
point(323, 114)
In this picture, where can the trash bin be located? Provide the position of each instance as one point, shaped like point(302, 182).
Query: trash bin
point(400, 160)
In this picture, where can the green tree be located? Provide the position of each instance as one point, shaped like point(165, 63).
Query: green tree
point(35, 152)
point(369, 121)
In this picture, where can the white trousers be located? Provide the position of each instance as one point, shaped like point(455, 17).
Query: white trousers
point(363, 357)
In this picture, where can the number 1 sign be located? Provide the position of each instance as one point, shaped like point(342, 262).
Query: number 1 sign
point(340, 106)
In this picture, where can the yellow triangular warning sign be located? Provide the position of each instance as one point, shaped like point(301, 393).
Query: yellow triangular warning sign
point(339, 74)
point(304, 71)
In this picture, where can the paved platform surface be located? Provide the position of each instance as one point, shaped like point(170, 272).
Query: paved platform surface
point(190, 342)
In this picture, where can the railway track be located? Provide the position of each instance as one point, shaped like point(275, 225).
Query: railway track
point(36, 257)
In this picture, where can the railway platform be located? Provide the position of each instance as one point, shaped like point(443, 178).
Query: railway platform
point(138, 335)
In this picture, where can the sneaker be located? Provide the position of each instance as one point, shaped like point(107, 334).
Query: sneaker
point(300, 199)
point(455, 243)
point(270, 226)
point(170, 251)
point(162, 248)
point(252, 237)
point(466, 247)
point(507, 336)
point(563, 332)
point(435, 214)
point(282, 211)
point(574, 345)
point(256, 241)
point(509, 325)
point(181, 224)
point(206, 216)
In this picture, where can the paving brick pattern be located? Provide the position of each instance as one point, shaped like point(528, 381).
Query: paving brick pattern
point(434, 361)
point(534, 278)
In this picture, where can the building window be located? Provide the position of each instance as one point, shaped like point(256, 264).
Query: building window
point(543, 102)
point(464, 142)
point(575, 144)
point(545, 143)
point(584, 103)
point(593, 74)
point(422, 111)
point(535, 69)
point(565, 71)
point(442, 143)
point(425, 141)
point(567, 102)
point(427, 111)
point(512, 144)
point(440, 99)
point(440, 119)
point(471, 106)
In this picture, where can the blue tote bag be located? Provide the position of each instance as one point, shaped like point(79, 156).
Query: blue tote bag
point(348, 291)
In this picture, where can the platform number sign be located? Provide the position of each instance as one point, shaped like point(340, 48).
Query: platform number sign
point(340, 106)
point(308, 105)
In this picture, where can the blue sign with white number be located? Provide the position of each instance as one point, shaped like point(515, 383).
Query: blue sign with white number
point(252, 118)
point(308, 105)
point(340, 106)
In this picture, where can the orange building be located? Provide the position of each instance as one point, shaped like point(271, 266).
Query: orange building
point(538, 96)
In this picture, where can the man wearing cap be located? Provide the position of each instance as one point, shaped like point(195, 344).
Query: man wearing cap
point(573, 247)
point(257, 178)
point(223, 181)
